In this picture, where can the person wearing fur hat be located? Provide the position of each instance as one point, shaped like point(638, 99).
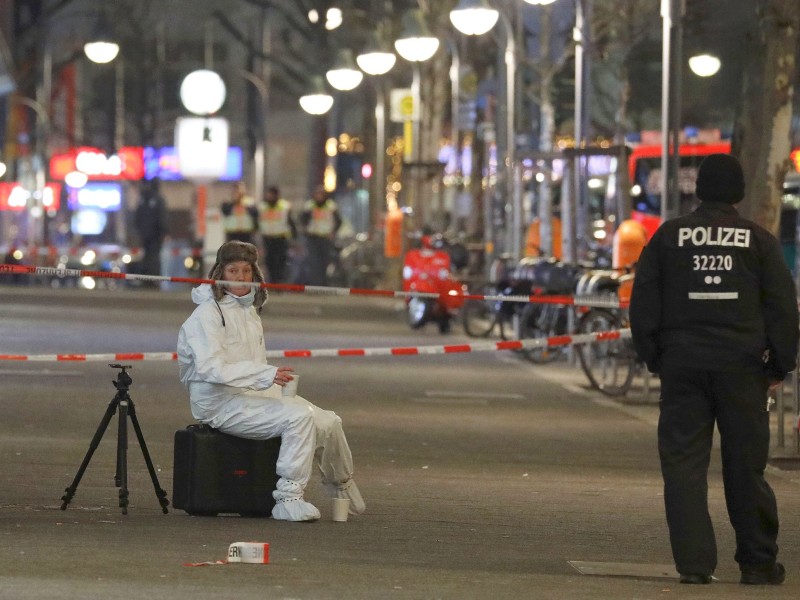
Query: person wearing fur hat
point(232, 387)
point(714, 312)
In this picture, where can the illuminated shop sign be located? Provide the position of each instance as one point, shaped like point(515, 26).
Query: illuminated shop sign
point(14, 197)
point(202, 144)
point(127, 164)
point(162, 163)
point(99, 196)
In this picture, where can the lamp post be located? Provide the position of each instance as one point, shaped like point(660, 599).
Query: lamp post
point(374, 59)
point(672, 12)
point(471, 17)
point(416, 44)
point(202, 92)
point(101, 49)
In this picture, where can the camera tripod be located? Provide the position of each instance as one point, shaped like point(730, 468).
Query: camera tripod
point(126, 409)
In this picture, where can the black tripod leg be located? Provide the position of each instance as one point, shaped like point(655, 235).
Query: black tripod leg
point(98, 435)
point(160, 493)
point(122, 454)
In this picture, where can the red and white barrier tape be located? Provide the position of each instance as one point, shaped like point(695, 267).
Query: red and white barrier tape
point(552, 342)
point(586, 301)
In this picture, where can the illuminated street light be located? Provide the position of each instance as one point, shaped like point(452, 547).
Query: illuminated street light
point(344, 75)
point(416, 43)
point(466, 18)
point(375, 59)
point(202, 92)
point(317, 101)
point(101, 48)
point(473, 17)
point(704, 65)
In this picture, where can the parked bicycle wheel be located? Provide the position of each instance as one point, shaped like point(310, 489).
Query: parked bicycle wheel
point(541, 321)
point(609, 365)
point(480, 316)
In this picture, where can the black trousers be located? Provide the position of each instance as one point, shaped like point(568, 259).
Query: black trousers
point(276, 251)
point(319, 255)
point(692, 400)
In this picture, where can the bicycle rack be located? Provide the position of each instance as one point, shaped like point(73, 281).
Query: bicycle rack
point(780, 409)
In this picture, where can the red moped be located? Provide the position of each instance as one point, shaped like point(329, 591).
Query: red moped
point(429, 269)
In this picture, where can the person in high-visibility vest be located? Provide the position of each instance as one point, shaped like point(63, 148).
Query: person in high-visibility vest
point(239, 215)
point(276, 226)
point(320, 220)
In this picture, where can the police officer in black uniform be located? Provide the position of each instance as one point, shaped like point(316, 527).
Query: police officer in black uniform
point(714, 312)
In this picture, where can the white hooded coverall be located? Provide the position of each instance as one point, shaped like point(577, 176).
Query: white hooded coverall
point(231, 389)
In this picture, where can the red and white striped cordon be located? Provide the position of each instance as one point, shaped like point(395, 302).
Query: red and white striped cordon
point(595, 301)
point(552, 342)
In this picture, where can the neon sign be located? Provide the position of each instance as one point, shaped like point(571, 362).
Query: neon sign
point(14, 197)
point(127, 164)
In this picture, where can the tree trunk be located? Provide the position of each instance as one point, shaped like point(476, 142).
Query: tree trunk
point(762, 131)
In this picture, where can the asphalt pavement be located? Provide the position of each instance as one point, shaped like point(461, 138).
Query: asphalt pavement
point(485, 477)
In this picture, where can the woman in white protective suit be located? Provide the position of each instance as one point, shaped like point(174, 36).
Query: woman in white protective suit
point(232, 387)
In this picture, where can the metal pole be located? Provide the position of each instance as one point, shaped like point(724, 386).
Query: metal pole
point(119, 104)
point(581, 38)
point(36, 221)
point(258, 154)
point(507, 111)
point(414, 202)
point(455, 92)
point(671, 13)
point(379, 202)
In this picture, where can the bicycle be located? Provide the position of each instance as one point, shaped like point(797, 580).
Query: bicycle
point(609, 364)
point(531, 276)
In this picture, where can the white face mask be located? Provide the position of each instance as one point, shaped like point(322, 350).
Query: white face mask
point(247, 299)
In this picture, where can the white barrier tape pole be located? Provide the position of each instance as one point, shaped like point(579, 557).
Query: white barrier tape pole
point(563, 340)
point(585, 301)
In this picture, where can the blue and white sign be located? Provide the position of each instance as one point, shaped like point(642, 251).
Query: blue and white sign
point(103, 196)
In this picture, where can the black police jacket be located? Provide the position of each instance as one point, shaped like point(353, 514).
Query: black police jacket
point(712, 291)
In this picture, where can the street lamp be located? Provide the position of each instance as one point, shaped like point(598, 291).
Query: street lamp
point(202, 92)
point(467, 17)
point(474, 17)
point(344, 75)
point(416, 43)
point(101, 48)
point(375, 59)
point(317, 101)
point(704, 65)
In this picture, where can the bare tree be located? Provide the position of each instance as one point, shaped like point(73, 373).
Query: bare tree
point(762, 130)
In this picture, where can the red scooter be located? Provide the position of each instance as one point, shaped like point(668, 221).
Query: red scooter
point(428, 269)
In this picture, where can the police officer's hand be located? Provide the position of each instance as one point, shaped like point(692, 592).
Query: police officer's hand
point(283, 376)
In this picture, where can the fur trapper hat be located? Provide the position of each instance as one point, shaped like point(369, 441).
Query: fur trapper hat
point(235, 251)
point(720, 179)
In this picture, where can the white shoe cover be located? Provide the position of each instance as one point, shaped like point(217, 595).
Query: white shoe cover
point(289, 503)
point(295, 509)
point(349, 490)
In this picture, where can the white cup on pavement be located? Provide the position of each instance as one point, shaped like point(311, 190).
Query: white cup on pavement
point(341, 507)
point(290, 389)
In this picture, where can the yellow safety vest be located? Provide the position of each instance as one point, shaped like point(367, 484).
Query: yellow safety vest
point(240, 219)
point(273, 221)
point(322, 222)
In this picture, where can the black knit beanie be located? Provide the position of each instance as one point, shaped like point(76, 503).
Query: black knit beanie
point(236, 251)
point(720, 179)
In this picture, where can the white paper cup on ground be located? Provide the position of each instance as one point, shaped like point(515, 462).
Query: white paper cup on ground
point(290, 389)
point(341, 507)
